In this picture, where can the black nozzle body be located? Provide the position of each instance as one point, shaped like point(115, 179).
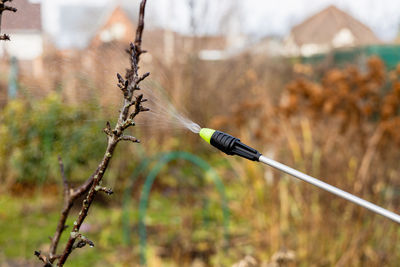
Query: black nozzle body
point(232, 146)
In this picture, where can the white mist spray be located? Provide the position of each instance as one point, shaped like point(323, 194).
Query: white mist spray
point(163, 113)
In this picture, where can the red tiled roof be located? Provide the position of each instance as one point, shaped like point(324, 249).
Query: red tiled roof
point(28, 17)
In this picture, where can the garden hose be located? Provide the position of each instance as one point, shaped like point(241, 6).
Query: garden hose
point(232, 146)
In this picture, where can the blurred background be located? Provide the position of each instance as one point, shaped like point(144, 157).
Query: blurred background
point(312, 84)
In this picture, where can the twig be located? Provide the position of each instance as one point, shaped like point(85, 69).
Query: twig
point(106, 190)
point(139, 30)
point(82, 241)
point(4, 37)
point(43, 258)
point(65, 183)
point(129, 138)
point(70, 195)
point(3, 7)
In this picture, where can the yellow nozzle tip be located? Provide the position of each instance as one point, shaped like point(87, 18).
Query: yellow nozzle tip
point(206, 134)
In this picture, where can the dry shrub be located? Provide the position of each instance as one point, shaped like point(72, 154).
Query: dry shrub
point(343, 129)
point(364, 106)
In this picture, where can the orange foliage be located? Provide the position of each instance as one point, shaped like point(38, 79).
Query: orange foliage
point(352, 96)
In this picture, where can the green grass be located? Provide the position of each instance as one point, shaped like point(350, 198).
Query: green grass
point(26, 224)
point(184, 220)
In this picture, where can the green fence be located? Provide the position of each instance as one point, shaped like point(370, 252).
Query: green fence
point(390, 54)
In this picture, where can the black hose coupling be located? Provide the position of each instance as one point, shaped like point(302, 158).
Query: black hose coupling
point(229, 144)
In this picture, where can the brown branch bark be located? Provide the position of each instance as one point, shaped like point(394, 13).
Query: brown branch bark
point(92, 185)
point(70, 195)
point(128, 87)
point(64, 178)
point(139, 30)
point(3, 7)
point(1, 15)
point(43, 258)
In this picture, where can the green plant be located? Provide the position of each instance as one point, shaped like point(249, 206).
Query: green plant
point(34, 133)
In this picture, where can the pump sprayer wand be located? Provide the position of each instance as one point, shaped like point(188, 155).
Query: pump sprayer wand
point(232, 146)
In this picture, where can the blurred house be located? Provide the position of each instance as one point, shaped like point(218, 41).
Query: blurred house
point(119, 26)
point(90, 41)
point(96, 27)
point(208, 47)
point(25, 29)
point(329, 29)
point(268, 46)
point(77, 24)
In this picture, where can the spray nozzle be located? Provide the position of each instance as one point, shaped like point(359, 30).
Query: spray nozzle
point(229, 144)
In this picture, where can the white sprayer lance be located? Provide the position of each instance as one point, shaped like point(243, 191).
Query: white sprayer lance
point(232, 146)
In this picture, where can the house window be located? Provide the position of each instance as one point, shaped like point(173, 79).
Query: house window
point(343, 38)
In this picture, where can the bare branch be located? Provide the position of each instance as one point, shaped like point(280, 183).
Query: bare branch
point(108, 130)
point(64, 179)
point(138, 106)
point(3, 7)
point(128, 85)
point(139, 30)
point(144, 76)
point(5, 37)
point(106, 190)
point(70, 195)
point(120, 79)
point(82, 241)
point(129, 122)
point(129, 138)
point(60, 227)
point(9, 8)
point(43, 258)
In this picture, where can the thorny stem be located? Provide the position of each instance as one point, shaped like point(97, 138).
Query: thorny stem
point(128, 86)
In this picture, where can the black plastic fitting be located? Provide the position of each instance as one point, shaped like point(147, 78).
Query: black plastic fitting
point(232, 146)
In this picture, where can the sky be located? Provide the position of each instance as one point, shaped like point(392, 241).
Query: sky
point(382, 16)
point(256, 17)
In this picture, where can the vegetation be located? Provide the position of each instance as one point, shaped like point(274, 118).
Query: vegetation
point(34, 133)
point(341, 125)
point(272, 216)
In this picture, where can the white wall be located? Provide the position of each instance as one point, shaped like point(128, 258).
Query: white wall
point(24, 46)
